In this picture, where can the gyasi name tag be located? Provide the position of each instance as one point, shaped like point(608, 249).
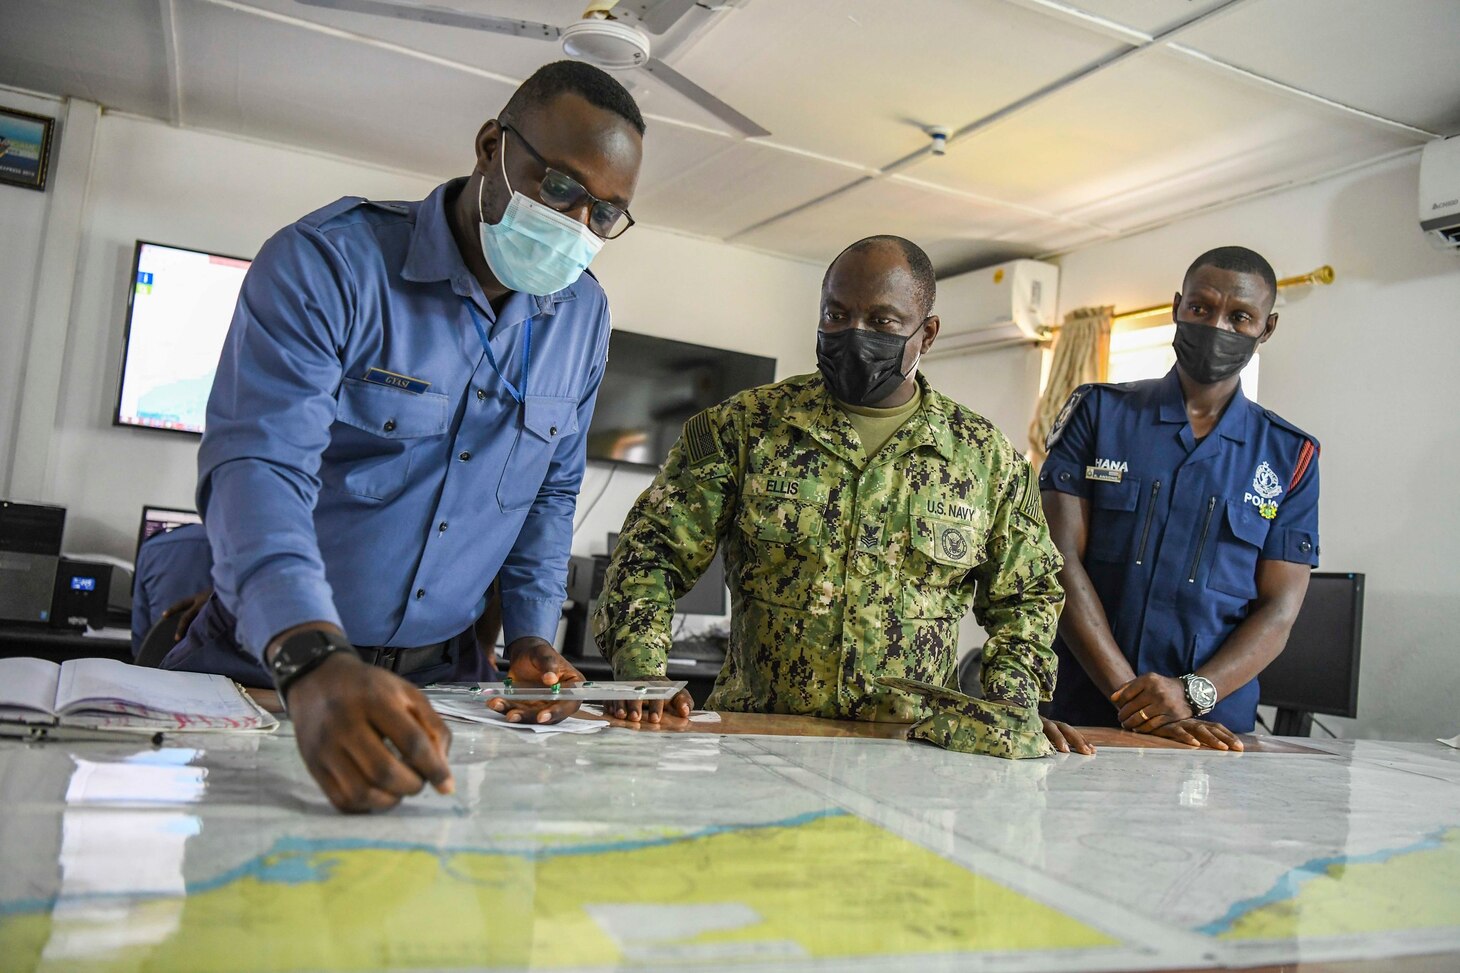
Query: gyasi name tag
point(395, 380)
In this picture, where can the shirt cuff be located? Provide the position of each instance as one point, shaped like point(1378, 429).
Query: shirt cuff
point(536, 617)
point(283, 599)
point(639, 662)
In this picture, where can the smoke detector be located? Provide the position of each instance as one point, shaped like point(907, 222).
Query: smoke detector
point(606, 44)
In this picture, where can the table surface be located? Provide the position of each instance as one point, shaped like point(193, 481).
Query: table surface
point(754, 843)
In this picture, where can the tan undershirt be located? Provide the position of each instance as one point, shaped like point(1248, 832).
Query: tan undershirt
point(876, 426)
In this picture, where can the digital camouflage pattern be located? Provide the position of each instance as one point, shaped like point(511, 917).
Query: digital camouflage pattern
point(961, 722)
point(840, 569)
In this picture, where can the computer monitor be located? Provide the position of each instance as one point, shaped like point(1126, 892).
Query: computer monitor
point(1318, 672)
point(179, 306)
point(160, 520)
point(707, 597)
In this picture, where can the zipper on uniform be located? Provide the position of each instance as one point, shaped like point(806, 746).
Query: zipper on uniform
point(1150, 512)
point(1202, 541)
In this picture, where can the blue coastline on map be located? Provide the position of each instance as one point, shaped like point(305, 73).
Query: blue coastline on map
point(185, 402)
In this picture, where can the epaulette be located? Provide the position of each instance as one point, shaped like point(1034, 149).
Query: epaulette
point(399, 209)
point(1073, 402)
point(1307, 453)
point(339, 207)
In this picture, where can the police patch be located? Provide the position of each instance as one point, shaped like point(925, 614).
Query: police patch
point(1063, 419)
point(699, 440)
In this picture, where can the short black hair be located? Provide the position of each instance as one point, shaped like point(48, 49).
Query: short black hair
point(593, 85)
point(925, 280)
point(1239, 260)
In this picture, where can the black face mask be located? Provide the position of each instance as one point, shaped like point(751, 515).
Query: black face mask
point(861, 367)
point(1210, 355)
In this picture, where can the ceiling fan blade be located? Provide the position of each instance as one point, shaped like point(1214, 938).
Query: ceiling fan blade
point(427, 14)
point(657, 16)
point(703, 98)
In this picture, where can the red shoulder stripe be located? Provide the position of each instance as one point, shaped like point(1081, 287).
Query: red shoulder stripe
point(1305, 457)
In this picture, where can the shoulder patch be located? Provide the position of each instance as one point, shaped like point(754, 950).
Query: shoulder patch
point(1063, 419)
point(700, 445)
point(1029, 502)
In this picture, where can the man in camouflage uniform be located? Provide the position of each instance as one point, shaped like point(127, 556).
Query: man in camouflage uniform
point(846, 567)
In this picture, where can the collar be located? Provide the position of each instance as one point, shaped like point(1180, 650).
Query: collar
point(1233, 423)
point(434, 256)
point(813, 408)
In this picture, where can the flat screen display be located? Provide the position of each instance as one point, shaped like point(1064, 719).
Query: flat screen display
point(652, 386)
point(178, 311)
point(160, 520)
point(1318, 671)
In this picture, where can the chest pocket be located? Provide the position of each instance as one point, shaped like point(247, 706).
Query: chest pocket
point(1113, 520)
point(377, 431)
point(1239, 543)
point(782, 540)
point(546, 419)
point(935, 567)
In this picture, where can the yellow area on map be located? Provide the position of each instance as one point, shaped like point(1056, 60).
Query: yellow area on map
point(828, 886)
point(1417, 889)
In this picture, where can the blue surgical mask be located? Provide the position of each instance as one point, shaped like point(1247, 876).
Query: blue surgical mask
point(534, 248)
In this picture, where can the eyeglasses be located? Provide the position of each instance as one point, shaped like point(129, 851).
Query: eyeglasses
point(564, 193)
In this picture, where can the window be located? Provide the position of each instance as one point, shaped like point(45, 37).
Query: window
point(1140, 353)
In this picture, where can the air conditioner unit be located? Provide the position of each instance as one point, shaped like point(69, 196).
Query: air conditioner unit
point(1439, 192)
point(1011, 304)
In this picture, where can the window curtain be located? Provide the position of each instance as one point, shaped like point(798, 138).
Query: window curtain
point(1081, 356)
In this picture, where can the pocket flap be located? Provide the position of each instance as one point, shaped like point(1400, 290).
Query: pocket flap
point(1124, 495)
point(389, 412)
point(550, 417)
point(780, 521)
point(1247, 523)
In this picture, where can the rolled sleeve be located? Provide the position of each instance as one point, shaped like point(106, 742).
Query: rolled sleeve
point(268, 423)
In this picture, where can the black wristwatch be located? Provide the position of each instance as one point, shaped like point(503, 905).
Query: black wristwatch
point(302, 652)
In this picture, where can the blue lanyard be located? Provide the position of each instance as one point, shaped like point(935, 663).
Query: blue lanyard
point(512, 390)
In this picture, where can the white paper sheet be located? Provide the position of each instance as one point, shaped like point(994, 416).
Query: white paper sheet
point(1454, 741)
point(27, 685)
point(476, 711)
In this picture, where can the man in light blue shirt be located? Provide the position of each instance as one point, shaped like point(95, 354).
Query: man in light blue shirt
point(399, 416)
point(172, 567)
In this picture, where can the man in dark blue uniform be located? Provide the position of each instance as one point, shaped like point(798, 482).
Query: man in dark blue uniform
point(1188, 518)
point(399, 417)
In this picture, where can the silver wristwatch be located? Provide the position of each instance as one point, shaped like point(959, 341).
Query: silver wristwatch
point(1200, 693)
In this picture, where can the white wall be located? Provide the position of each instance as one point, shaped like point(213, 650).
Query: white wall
point(211, 192)
point(1367, 365)
point(23, 219)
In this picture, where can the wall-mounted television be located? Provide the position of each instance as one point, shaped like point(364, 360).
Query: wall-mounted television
point(179, 306)
point(652, 386)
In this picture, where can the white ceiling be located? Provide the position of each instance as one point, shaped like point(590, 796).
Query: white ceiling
point(1074, 120)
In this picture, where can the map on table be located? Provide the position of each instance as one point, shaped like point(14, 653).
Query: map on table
point(626, 850)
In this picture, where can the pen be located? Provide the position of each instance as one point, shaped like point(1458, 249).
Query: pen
point(46, 733)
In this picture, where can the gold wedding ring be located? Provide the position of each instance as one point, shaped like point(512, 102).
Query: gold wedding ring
point(1142, 714)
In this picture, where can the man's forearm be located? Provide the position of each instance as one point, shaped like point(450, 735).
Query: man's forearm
point(1086, 630)
point(1249, 649)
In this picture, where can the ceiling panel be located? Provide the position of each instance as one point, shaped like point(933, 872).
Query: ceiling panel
point(109, 52)
point(1148, 16)
point(269, 80)
point(1158, 132)
point(949, 227)
point(859, 79)
point(513, 57)
point(716, 186)
point(1395, 58)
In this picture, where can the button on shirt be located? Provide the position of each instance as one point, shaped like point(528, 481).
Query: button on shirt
point(355, 413)
point(1177, 527)
point(170, 567)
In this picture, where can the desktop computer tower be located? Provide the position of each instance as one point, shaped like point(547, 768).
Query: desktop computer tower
point(30, 554)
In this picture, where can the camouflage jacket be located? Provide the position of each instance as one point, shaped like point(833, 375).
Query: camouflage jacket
point(841, 570)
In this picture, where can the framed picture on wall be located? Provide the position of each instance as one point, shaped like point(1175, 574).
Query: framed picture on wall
point(25, 148)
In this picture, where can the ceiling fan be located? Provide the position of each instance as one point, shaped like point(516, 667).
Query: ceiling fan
point(611, 34)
